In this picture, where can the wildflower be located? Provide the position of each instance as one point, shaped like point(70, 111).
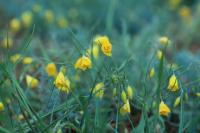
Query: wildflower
point(185, 13)
point(83, 63)
point(51, 69)
point(159, 54)
point(151, 72)
point(7, 42)
point(15, 25)
point(36, 8)
point(123, 96)
point(164, 40)
point(15, 58)
point(27, 60)
point(62, 83)
point(164, 109)
point(98, 90)
point(173, 83)
point(31, 81)
point(62, 23)
point(27, 17)
point(177, 101)
point(125, 108)
point(1, 106)
point(105, 44)
point(49, 16)
point(130, 92)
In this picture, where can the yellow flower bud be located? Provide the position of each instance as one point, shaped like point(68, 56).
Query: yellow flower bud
point(177, 101)
point(1, 106)
point(173, 83)
point(123, 96)
point(130, 92)
point(164, 109)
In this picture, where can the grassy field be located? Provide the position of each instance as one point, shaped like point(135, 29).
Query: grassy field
point(99, 66)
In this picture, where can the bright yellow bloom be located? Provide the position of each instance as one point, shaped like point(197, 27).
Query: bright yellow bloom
point(164, 40)
point(164, 109)
point(83, 63)
point(1, 106)
point(130, 92)
point(15, 25)
point(49, 16)
point(173, 83)
point(151, 72)
point(177, 101)
point(98, 90)
point(27, 18)
point(37, 8)
point(159, 54)
point(27, 60)
point(185, 13)
point(63, 23)
point(15, 58)
point(125, 109)
point(31, 81)
point(123, 96)
point(62, 83)
point(7, 42)
point(105, 44)
point(51, 69)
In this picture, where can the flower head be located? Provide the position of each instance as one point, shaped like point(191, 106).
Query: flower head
point(27, 60)
point(7, 42)
point(98, 90)
point(164, 40)
point(151, 72)
point(83, 63)
point(105, 44)
point(15, 58)
point(1, 106)
point(31, 81)
point(123, 96)
point(62, 82)
point(164, 109)
point(27, 18)
point(130, 92)
point(125, 109)
point(51, 69)
point(177, 101)
point(159, 54)
point(173, 83)
point(15, 25)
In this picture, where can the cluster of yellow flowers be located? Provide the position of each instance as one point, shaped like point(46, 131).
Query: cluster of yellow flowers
point(25, 60)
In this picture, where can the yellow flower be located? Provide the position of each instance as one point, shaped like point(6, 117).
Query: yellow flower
point(173, 83)
point(151, 72)
point(177, 101)
point(49, 16)
point(164, 40)
point(62, 23)
point(51, 69)
point(125, 108)
point(98, 90)
point(164, 109)
point(7, 42)
point(198, 94)
point(105, 44)
point(31, 81)
point(83, 63)
point(159, 54)
point(15, 25)
point(123, 96)
point(62, 83)
point(185, 13)
point(130, 92)
point(1, 106)
point(15, 58)
point(37, 8)
point(27, 18)
point(27, 60)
